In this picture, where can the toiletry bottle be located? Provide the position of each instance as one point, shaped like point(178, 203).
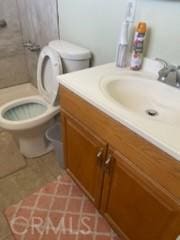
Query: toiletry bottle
point(138, 45)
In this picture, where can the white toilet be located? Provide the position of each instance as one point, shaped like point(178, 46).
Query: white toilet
point(28, 118)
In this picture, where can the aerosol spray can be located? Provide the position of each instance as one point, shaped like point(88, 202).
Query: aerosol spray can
point(138, 46)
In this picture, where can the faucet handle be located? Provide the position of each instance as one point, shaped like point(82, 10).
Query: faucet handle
point(165, 64)
point(27, 44)
point(178, 76)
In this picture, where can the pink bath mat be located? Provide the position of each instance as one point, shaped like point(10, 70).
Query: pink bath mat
point(58, 211)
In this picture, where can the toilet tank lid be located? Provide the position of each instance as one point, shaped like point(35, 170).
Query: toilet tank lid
point(70, 51)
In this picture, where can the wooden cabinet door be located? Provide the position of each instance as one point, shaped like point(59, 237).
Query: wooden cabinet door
point(132, 207)
point(84, 156)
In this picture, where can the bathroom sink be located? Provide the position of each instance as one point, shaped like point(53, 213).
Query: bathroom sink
point(143, 95)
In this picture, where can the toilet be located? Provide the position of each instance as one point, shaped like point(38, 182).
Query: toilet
point(28, 118)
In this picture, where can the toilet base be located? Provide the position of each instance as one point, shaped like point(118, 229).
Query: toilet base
point(33, 143)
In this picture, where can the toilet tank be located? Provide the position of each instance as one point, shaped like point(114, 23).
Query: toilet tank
point(73, 57)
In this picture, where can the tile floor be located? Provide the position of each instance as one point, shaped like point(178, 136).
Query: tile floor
point(15, 187)
point(11, 160)
point(36, 174)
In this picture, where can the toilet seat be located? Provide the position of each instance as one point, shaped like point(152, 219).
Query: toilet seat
point(49, 67)
point(46, 114)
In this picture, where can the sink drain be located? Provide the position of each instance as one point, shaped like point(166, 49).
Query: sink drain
point(151, 112)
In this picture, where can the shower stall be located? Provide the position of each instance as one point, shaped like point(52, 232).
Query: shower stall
point(25, 27)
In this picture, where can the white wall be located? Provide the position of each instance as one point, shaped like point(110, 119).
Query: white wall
point(163, 16)
point(96, 24)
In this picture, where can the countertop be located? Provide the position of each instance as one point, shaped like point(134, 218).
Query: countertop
point(86, 84)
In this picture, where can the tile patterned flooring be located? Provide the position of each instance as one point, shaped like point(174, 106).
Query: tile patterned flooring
point(36, 174)
point(58, 211)
point(17, 186)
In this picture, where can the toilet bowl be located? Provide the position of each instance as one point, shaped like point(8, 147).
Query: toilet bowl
point(28, 118)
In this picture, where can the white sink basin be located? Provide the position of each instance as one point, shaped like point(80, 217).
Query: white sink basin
point(143, 95)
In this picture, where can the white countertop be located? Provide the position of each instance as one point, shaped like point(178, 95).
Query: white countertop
point(86, 83)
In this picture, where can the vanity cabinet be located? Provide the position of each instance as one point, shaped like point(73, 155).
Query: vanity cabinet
point(129, 204)
point(132, 183)
point(84, 155)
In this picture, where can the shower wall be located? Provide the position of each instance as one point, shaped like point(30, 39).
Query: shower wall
point(27, 20)
point(39, 22)
point(13, 68)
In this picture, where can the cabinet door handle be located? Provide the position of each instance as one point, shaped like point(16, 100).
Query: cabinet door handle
point(108, 163)
point(100, 155)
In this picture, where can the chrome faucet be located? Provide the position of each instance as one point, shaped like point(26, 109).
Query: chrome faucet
point(166, 70)
point(178, 76)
